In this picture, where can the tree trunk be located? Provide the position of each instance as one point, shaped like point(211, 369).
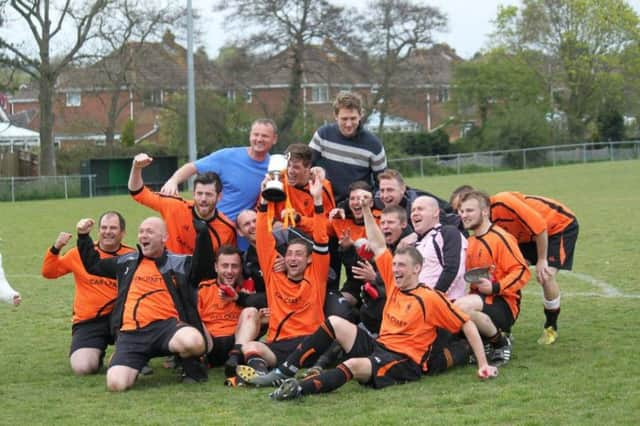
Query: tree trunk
point(294, 102)
point(112, 117)
point(47, 150)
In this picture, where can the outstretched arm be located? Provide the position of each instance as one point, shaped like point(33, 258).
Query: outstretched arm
point(181, 175)
point(7, 294)
point(374, 235)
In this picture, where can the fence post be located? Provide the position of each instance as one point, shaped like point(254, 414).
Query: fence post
point(90, 186)
point(610, 151)
point(524, 159)
point(13, 189)
point(458, 163)
point(421, 168)
point(553, 151)
point(491, 156)
point(66, 191)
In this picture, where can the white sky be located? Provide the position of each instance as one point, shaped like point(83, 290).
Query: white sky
point(469, 24)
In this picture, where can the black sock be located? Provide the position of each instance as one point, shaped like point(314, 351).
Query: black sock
point(498, 340)
point(551, 316)
point(459, 351)
point(327, 380)
point(330, 356)
point(318, 342)
point(257, 362)
point(194, 368)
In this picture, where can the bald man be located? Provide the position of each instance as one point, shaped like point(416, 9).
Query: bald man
point(443, 248)
point(156, 310)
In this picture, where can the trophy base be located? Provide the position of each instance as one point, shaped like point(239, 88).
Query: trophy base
point(274, 194)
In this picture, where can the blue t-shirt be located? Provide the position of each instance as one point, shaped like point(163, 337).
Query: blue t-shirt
point(241, 177)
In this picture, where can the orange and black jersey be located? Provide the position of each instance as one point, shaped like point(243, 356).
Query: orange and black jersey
point(349, 226)
point(296, 307)
point(498, 249)
point(178, 215)
point(219, 316)
point(525, 216)
point(94, 296)
point(410, 318)
point(148, 299)
point(301, 201)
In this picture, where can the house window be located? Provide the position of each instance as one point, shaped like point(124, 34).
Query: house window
point(320, 94)
point(74, 99)
point(231, 94)
point(248, 96)
point(443, 94)
point(152, 97)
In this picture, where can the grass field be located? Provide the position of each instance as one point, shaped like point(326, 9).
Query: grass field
point(590, 376)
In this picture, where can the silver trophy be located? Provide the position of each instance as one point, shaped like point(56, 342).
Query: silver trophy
point(274, 189)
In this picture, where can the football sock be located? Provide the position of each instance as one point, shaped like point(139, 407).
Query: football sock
point(551, 312)
point(498, 340)
point(327, 380)
point(458, 352)
point(329, 356)
point(257, 362)
point(318, 342)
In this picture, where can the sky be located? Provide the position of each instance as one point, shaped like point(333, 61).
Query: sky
point(469, 23)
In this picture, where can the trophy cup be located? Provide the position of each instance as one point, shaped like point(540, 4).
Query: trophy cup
point(274, 189)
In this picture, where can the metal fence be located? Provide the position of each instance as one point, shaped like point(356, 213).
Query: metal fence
point(44, 187)
point(546, 156)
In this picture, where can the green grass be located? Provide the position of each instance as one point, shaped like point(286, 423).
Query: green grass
point(590, 376)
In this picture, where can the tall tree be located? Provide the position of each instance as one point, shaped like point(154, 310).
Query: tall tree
point(123, 30)
point(580, 43)
point(47, 22)
point(290, 25)
point(392, 31)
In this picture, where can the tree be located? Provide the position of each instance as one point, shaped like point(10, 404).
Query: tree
point(220, 123)
point(392, 31)
point(579, 44)
point(123, 29)
point(47, 23)
point(289, 25)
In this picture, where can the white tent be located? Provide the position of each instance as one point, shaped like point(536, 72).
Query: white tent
point(12, 136)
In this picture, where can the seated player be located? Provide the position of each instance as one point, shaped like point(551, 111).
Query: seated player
point(547, 232)
point(94, 296)
point(295, 296)
point(156, 312)
point(404, 348)
point(494, 300)
point(228, 323)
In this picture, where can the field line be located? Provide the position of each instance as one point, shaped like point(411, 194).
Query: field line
point(607, 289)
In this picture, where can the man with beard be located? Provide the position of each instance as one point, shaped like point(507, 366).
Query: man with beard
point(94, 296)
point(179, 214)
point(228, 323)
point(494, 299)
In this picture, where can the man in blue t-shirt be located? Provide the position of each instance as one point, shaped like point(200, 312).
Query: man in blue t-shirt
point(240, 169)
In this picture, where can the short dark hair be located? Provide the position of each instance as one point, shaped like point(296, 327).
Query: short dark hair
point(227, 249)
point(413, 253)
point(207, 179)
point(401, 212)
point(300, 151)
point(360, 184)
point(121, 221)
point(347, 100)
point(305, 243)
point(266, 122)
